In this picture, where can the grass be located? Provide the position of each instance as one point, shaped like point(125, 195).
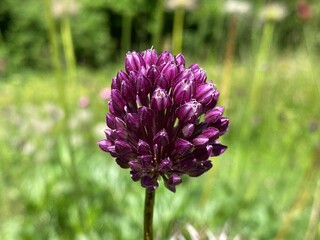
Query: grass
point(263, 187)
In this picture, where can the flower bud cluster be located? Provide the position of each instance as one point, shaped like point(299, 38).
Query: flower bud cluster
point(163, 119)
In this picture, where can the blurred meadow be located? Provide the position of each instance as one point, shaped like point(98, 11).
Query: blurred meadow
point(57, 59)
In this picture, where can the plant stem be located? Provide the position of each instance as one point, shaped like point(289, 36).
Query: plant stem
point(68, 46)
point(228, 61)
point(148, 215)
point(177, 33)
point(158, 25)
point(126, 33)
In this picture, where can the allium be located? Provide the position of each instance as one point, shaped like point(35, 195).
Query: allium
point(163, 120)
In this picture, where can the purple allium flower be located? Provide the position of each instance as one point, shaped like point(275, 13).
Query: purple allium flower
point(163, 119)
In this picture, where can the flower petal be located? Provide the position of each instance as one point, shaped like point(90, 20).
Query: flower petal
point(181, 146)
point(160, 100)
point(161, 138)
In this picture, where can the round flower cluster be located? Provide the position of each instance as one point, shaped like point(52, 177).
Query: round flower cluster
point(163, 119)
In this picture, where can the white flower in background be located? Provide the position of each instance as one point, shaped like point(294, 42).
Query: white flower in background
point(273, 12)
point(237, 7)
point(187, 4)
point(81, 117)
point(53, 111)
point(61, 8)
point(98, 130)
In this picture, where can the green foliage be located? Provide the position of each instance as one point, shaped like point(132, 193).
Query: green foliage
point(98, 30)
point(251, 191)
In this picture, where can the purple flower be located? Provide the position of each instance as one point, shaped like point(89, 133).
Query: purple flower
point(163, 120)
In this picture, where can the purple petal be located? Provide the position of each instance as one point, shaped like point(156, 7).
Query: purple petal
point(135, 166)
point(164, 58)
point(104, 145)
point(172, 182)
point(189, 111)
point(211, 133)
point(133, 121)
point(218, 149)
point(143, 86)
point(133, 62)
point(116, 83)
point(170, 71)
point(152, 74)
point(120, 123)
point(110, 120)
point(165, 165)
point(150, 57)
point(146, 115)
point(128, 90)
point(161, 138)
point(136, 176)
point(162, 82)
point(181, 146)
point(149, 183)
point(213, 115)
point(200, 169)
point(204, 92)
point(122, 147)
point(120, 134)
point(143, 148)
point(187, 164)
point(183, 91)
point(118, 102)
point(213, 101)
point(179, 59)
point(199, 74)
point(200, 142)
point(123, 162)
point(222, 124)
point(187, 130)
point(146, 162)
point(160, 100)
point(202, 154)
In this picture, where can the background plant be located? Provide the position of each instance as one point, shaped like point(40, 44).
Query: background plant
point(264, 187)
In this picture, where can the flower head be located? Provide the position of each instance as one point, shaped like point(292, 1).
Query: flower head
point(237, 7)
point(304, 10)
point(163, 120)
point(273, 12)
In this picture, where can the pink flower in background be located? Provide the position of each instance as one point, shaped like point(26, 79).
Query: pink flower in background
point(84, 101)
point(304, 10)
point(105, 93)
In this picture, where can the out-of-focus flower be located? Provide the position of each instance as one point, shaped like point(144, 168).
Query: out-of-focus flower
point(105, 93)
point(84, 102)
point(80, 118)
point(163, 119)
point(98, 129)
point(187, 4)
point(62, 8)
point(273, 11)
point(237, 7)
point(304, 11)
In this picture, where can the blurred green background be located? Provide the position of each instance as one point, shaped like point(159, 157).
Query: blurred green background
point(57, 59)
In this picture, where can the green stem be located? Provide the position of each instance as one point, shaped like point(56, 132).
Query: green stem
point(126, 33)
point(261, 60)
point(177, 34)
point(228, 61)
point(148, 215)
point(158, 25)
point(68, 46)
